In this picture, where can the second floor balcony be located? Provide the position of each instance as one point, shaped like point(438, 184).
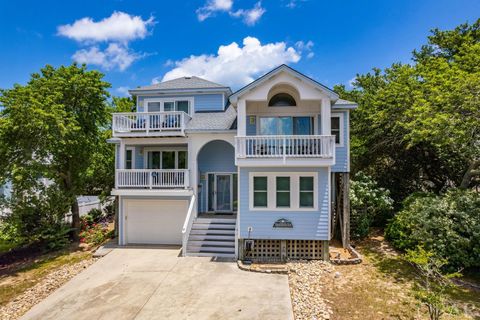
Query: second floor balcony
point(149, 124)
point(283, 148)
point(152, 178)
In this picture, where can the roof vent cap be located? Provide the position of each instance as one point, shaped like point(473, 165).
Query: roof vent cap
point(188, 78)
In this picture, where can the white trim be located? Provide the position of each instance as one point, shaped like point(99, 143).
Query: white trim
point(329, 209)
point(162, 101)
point(342, 127)
point(347, 141)
point(152, 192)
point(294, 191)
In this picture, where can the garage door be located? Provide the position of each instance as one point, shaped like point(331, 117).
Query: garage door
point(155, 221)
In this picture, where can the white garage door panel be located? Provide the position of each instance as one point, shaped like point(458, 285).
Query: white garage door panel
point(155, 221)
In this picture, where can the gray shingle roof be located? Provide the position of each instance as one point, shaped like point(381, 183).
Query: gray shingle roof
point(342, 102)
point(183, 83)
point(212, 120)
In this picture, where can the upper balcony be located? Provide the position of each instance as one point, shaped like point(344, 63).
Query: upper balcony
point(150, 124)
point(316, 150)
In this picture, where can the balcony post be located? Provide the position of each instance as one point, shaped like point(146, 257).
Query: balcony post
point(121, 157)
point(241, 117)
point(147, 123)
point(325, 117)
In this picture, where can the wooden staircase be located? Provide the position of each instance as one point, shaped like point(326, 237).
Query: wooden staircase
point(212, 237)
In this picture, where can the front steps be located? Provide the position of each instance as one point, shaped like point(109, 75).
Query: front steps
point(212, 237)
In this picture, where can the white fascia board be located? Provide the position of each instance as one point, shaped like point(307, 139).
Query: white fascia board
point(152, 192)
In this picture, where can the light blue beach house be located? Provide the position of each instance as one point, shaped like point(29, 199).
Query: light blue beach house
point(261, 173)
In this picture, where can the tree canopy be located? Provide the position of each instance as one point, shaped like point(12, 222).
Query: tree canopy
point(417, 127)
point(53, 128)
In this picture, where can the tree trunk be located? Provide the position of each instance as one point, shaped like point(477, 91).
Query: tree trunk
point(75, 221)
point(471, 172)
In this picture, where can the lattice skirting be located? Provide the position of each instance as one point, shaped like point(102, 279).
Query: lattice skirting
point(281, 250)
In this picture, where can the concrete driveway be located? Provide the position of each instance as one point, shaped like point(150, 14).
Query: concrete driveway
point(155, 283)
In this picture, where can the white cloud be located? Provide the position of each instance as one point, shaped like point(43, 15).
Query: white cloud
point(305, 47)
point(123, 91)
point(117, 31)
point(119, 27)
point(294, 3)
point(351, 82)
point(213, 6)
point(114, 56)
point(249, 16)
point(234, 65)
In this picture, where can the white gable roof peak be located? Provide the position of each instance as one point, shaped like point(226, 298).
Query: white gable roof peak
point(279, 74)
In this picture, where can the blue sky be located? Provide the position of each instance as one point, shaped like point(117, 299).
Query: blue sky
point(136, 42)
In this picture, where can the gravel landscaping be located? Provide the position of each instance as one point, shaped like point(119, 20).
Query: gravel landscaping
point(22, 303)
point(307, 281)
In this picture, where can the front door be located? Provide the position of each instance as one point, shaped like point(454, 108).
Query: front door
point(221, 192)
point(224, 193)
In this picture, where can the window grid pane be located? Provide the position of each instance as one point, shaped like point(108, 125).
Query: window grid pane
point(260, 194)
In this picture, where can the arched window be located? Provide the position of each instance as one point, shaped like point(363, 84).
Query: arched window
point(282, 100)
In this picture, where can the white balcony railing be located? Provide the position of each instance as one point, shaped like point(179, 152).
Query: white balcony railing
point(149, 123)
point(152, 178)
point(305, 146)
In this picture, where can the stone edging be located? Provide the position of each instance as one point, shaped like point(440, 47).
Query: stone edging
point(357, 258)
point(245, 267)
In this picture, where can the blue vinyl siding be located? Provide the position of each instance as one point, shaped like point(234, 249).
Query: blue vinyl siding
point(251, 127)
point(307, 225)
point(201, 102)
point(341, 157)
point(341, 153)
point(138, 158)
point(209, 102)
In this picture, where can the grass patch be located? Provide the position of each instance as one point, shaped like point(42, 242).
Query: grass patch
point(25, 276)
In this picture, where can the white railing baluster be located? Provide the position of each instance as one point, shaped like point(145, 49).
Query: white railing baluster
point(285, 146)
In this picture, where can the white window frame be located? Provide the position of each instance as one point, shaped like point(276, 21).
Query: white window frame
point(259, 117)
point(162, 149)
point(163, 100)
point(133, 156)
point(342, 128)
point(294, 191)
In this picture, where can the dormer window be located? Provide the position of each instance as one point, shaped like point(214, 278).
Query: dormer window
point(282, 100)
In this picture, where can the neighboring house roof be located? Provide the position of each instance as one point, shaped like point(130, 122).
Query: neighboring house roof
point(345, 104)
point(184, 83)
point(208, 121)
point(233, 98)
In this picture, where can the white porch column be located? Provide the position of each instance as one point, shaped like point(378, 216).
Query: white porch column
point(193, 170)
point(121, 157)
point(325, 117)
point(241, 118)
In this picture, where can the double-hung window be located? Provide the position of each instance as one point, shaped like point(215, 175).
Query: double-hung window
point(306, 192)
point(129, 159)
point(336, 128)
point(283, 192)
point(260, 192)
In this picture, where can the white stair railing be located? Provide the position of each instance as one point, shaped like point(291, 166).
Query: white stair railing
point(187, 225)
point(304, 146)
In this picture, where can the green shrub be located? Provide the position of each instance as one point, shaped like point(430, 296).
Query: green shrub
point(96, 214)
point(95, 234)
point(448, 225)
point(369, 203)
point(37, 217)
